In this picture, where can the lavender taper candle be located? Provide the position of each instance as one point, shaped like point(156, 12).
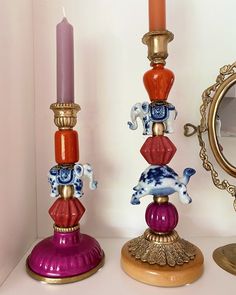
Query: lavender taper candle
point(65, 62)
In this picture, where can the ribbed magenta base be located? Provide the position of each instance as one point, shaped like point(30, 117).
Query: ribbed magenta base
point(65, 255)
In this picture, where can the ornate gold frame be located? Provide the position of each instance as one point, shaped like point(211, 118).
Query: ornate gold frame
point(219, 94)
point(211, 98)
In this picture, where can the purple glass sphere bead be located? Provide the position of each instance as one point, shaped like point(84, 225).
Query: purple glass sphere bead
point(161, 217)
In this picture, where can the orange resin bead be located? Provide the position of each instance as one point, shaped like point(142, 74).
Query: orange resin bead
point(158, 82)
point(66, 147)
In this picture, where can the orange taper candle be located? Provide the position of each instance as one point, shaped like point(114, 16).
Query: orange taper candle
point(157, 15)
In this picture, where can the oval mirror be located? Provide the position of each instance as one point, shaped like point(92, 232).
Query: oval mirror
point(221, 126)
point(225, 124)
point(218, 118)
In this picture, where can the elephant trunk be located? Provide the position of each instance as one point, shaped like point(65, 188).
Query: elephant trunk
point(136, 111)
point(188, 172)
point(133, 124)
point(88, 171)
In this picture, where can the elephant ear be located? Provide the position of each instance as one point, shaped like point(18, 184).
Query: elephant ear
point(78, 169)
point(53, 170)
point(145, 106)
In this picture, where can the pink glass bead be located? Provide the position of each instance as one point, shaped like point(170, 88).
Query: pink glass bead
point(161, 218)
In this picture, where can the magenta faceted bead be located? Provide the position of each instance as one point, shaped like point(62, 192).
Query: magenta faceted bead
point(161, 217)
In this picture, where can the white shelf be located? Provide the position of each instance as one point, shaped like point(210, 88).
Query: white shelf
point(112, 280)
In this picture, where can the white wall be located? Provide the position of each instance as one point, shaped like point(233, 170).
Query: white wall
point(110, 61)
point(17, 157)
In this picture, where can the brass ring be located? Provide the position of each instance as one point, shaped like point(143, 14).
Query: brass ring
point(66, 229)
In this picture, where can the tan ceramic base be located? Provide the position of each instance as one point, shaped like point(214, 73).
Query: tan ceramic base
point(163, 276)
point(64, 280)
point(225, 257)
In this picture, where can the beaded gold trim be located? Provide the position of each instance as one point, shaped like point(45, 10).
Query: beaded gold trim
point(65, 229)
point(161, 238)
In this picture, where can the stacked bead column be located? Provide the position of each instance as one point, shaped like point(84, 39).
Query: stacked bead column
point(66, 210)
point(161, 215)
point(68, 255)
point(160, 257)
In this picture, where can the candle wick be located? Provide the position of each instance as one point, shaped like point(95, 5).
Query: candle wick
point(63, 11)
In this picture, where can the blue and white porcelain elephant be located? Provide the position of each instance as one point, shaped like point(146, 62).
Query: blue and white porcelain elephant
point(149, 113)
point(70, 175)
point(162, 181)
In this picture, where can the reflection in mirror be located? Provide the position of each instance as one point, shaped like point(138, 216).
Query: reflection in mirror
point(225, 125)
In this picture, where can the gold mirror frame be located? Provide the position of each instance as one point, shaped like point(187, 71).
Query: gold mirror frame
point(216, 100)
point(211, 99)
point(224, 256)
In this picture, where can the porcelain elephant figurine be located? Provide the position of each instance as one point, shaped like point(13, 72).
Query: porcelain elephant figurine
point(150, 113)
point(70, 175)
point(162, 181)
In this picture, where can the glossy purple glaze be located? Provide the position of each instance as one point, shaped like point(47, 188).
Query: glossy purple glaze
point(161, 218)
point(65, 255)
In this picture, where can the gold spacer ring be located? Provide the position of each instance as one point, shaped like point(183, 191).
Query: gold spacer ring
point(158, 129)
point(168, 238)
point(66, 191)
point(160, 199)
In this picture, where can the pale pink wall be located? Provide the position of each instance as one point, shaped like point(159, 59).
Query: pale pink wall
point(17, 154)
point(109, 62)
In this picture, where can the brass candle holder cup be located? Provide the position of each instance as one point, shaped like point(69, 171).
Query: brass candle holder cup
point(157, 43)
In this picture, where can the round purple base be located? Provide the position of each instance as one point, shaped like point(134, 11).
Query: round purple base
point(65, 255)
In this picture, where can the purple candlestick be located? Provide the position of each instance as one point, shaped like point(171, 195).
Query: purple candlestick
point(65, 62)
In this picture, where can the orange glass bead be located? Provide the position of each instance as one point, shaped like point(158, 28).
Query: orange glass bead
point(158, 82)
point(66, 147)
